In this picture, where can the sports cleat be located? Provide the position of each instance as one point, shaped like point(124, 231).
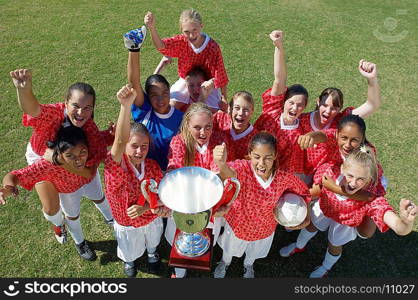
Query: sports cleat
point(319, 272)
point(85, 252)
point(135, 38)
point(248, 271)
point(60, 233)
point(290, 250)
point(129, 269)
point(220, 270)
point(153, 261)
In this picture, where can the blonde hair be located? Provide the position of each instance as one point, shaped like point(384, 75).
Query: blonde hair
point(190, 15)
point(190, 142)
point(366, 157)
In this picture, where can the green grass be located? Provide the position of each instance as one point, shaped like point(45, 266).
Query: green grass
point(68, 41)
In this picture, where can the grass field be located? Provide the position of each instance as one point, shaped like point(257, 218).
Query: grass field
point(68, 41)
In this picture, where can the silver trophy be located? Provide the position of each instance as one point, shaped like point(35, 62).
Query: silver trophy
point(191, 192)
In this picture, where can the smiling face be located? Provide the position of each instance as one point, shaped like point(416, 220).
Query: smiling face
point(293, 108)
point(242, 111)
point(76, 156)
point(79, 107)
point(327, 111)
point(200, 127)
point(349, 138)
point(262, 160)
point(159, 96)
point(356, 177)
point(137, 148)
point(193, 32)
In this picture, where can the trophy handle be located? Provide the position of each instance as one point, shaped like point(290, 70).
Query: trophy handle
point(151, 198)
point(229, 183)
point(226, 196)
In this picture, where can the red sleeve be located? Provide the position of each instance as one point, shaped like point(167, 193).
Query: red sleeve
point(49, 112)
point(325, 169)
point(173, 46)
point(32, 174)
point(221, 121)
point(297, 186)
point(176, 153)
point(376, 210)
point(273, 105)
point(97, 143)
point(107, 137)
point(266, 122)
point(220, 75)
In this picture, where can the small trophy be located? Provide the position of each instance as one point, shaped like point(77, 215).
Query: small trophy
point(191, 192)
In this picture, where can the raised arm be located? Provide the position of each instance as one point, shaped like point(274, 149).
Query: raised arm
point(369, 70)
point(149, 21)
point(126, 96)
point(165, 61)
point(402, 224)
point(219, 157)
point(280, 68)
point(22, 79)
point(134, 76)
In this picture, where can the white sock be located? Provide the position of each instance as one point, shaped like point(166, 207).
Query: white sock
point(104, 208)
point(330, 260)
point(180, 272)
point(74, 227)
point(304, 237)
point(226, 259)
point(248, 261)
point(57, 219)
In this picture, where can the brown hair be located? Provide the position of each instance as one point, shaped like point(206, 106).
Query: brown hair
point(335, 94)
point(190, 142)
point(244, 94)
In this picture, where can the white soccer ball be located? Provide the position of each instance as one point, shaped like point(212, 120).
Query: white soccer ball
point(291, 210)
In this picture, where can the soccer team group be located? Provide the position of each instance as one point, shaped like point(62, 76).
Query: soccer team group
point(322, 156)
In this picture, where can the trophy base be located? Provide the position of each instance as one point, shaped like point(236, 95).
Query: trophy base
point(202, 262)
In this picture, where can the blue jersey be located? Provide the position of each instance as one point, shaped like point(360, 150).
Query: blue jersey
point(162, 128)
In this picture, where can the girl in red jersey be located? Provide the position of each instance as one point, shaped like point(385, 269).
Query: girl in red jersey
point(192, 48)
point(329, 105)
point(250, 221)
point(236, 125)
point(46, 119)
point(126, 166)
point(193, 146)
point(70, 152)
point(340, 215)
point(282, 107)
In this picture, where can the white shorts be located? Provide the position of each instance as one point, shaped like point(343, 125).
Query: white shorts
point(179, 93)
point(234, 246)
point(132, 241)
point(70, 202)
point(338, 234)
point(170, 229)
point(30, 155)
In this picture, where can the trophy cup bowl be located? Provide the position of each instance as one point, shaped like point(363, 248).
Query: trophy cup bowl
point(191, 192)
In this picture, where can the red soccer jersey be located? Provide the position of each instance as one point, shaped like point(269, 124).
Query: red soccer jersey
point(239, 142)
point(209, 59)
point(46, 125)
point(329, 153)
point(42, 170)
point(251, 215)
point(203, 155)
point(290, 156)
point(123, 188)
point(348, 211)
